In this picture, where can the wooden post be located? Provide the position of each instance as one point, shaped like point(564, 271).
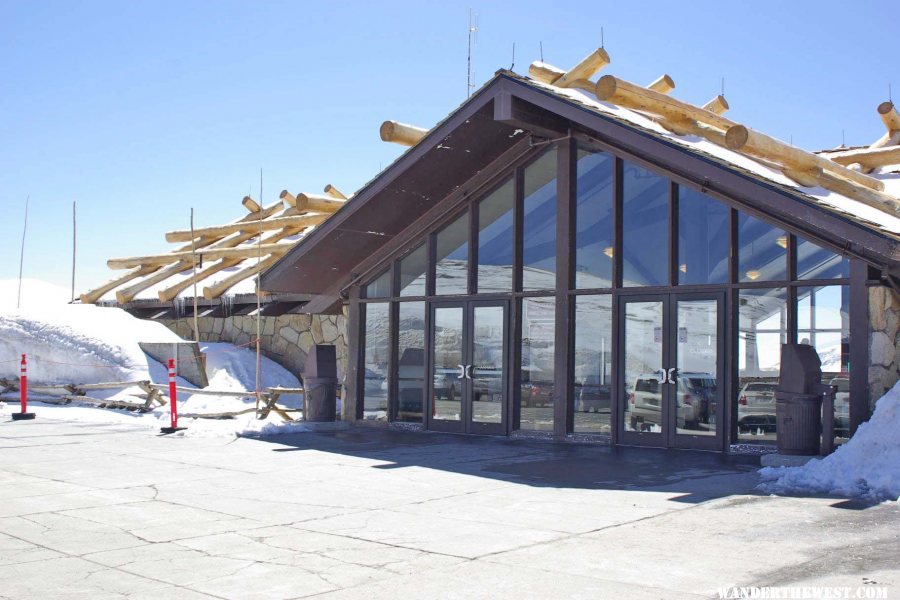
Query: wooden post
point(251, 204)
point(717, 105)
point(868, 158)
point(210, 253)
point(585, 68)
point(334, 192)
point(314, 202)
point(543, 72)
point(288, 198)
point(400, 133)
point(889, 116)
point(184, 235)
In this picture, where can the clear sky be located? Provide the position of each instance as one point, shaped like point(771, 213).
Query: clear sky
point(140, 111)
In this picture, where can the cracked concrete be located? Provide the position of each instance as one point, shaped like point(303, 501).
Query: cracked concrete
point(112, 511)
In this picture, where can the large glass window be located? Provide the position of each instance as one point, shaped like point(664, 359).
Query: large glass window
point(495, 240)
point(539, 228)
point(451, 270)
point(703, 237)
point(815, 262)
point(537, 374)
point(645, 224)
point(762, 326)
point(377, 355)
point(593, 359)
point(411, 361)
point(762, 250)
point(823, 322)
point(595, 193)
point(412, 272)
point(380, 287)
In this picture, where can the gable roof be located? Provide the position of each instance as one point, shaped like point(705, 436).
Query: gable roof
point(489, 127)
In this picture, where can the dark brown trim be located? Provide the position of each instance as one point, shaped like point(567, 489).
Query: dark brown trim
point(566, 180)
point(350, 405)
point(859, 344)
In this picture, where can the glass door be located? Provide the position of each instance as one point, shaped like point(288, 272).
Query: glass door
point(670, 374)
point(468, 383)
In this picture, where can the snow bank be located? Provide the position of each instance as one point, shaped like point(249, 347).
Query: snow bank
point(867, 465)
point(78, 343)
point(35, 294)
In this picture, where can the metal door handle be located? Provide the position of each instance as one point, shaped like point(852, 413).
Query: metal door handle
point(665, 376)
point(671, 374)
point(469, 371)
point(462, 372)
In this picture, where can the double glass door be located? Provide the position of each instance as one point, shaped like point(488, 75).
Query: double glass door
point(468, 367)
point(671, 370)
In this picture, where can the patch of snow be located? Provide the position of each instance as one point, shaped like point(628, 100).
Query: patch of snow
point(868, 465)
point(35, 294)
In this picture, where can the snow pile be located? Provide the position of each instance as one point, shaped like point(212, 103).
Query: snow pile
point(78, 343)
point(867, 465)
point(35, 294)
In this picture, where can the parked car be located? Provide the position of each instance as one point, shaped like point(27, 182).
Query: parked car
point(593, 396)
point(756, 406)
point(645, 402)
point(537, 393)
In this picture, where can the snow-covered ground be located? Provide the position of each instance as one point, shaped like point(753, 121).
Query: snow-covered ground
point(868, 465)
point(73, 343)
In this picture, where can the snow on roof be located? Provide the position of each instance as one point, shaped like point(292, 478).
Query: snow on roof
point(858, 211)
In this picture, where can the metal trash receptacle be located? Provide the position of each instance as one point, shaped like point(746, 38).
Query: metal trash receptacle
point(320, 384)
point(798, 421)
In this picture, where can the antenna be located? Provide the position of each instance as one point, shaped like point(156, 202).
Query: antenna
point(723, 86)
point(542, 51)
point(513, 65)
point(258, 303)
point(843, 139)
point(601, 39)
point(22, 253)
point(74, 233)
point(473, 29)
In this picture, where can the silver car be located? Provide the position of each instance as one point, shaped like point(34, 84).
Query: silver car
point(756, 406)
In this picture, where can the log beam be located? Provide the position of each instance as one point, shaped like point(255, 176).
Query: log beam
point(334, 192)
point(288, 198)
point(544, 72)
point(889, 116)
point(251, 205)
point(663, 85)
point(717, 105)
point(623, 93)
point(400, 133)
point(217, 289)
point(868, 158)
point(585, 69)
point(184, 235)
point(317, 203)
point(745, 140)
point(210, 254)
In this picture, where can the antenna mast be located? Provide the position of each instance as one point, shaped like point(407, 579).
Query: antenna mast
point(22, 254)
point(473, 28)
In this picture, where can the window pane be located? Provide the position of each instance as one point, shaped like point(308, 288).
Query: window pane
point(380, 287)
point(495, 240)
point(375, 387)
point(762, 250)
point(411, 364)
point(594, 220)
point(539, 229)
point(453, 258)
point(536, 392)
point(823, 322)
point(815, 262)
point(412, 272)
point(762, 329)
point(593, 363)
point(645, 224)
point(703, 235)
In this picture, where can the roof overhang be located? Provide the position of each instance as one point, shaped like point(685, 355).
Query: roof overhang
point(487, 127)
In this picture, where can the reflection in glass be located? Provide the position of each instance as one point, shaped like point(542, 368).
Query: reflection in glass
point(377, 354)
point(593, 363)
point(451, 273)
point(697, 350)
point(487, 364)
point(823, 322)
point(645, 227)
point(644, 375)
point(703, 235)
point(762, 328)
point(412, 272)
point(594, 220)
point(539, 228)
point(762, 250)
point(495, 240)
point(537, 375)
point(411, 363)
point(380, 287)
point(815, 262)
point(446, 371)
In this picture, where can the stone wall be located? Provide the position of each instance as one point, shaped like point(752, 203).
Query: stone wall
point(286, 339)
point(884, 341)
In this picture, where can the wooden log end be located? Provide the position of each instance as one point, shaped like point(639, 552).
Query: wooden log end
point(288, 198)
point(386, 131)
point(736, 137)
point(717, 105)
point(251, 205)
point(334, 192)
point(606, 87)
point(885, 107)
point(663, 85)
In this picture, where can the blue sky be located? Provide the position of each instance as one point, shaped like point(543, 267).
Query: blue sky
point(140, 111)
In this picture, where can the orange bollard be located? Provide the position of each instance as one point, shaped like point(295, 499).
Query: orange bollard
point(24, 415)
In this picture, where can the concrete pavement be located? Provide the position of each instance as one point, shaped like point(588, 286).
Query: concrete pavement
point(116, 511)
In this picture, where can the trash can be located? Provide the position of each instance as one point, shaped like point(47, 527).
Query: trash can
point(320, 384)
point(798, 400)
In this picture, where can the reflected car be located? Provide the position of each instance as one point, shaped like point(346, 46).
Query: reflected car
point(841, 406)
point(645, 402)
point(374, 384)
point(593, 396)
point(537, 393)
point(756, 406)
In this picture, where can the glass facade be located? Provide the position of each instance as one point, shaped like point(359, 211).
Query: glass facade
point(658, 274)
